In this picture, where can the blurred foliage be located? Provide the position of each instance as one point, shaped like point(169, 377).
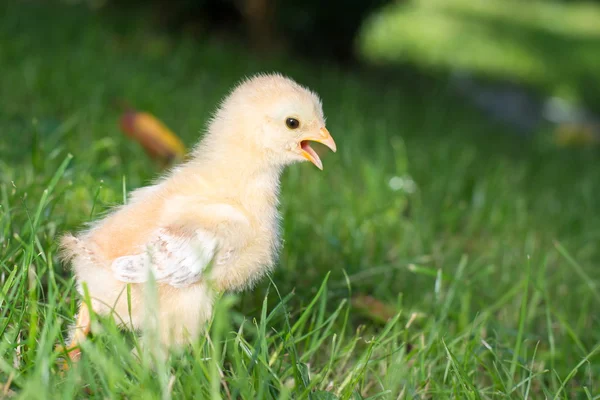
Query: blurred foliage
point(310, 28)
point(553, 46)
point(315, 26)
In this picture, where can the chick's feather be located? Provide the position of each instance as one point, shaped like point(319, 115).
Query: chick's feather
point(173, 259)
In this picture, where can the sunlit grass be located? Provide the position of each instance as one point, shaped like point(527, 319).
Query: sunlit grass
point(552, 46)
point(478, 253)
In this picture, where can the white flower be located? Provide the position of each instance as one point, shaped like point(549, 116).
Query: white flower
point(404, 183)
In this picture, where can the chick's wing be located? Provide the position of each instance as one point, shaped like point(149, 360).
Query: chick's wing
point(173, 258)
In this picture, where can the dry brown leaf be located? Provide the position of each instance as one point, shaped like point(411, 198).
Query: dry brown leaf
point(372, 308)
point(155, 137)
point(576, 135)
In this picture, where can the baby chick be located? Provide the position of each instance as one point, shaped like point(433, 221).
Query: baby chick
point(210, 225)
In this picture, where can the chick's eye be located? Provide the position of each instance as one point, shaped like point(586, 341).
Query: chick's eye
point(292, 123)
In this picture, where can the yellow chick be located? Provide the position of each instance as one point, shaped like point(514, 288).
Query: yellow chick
point(210, 225)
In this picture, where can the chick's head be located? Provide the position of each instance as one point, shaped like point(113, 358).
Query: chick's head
point(276, 118)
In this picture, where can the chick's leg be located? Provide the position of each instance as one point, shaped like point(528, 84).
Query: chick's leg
point(82, 329)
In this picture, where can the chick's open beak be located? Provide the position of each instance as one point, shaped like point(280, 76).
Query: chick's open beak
point(307, 152)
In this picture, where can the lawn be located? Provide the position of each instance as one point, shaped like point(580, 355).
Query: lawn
point(434, 257)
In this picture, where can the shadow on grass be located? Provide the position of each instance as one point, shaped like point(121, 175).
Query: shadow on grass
point(569, 60)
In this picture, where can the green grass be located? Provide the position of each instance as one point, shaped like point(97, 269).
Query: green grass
point(552, 46)
point(482, 249)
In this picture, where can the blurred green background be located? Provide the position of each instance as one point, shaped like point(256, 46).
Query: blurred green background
point(458, 222)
